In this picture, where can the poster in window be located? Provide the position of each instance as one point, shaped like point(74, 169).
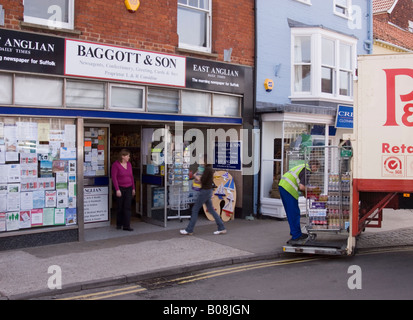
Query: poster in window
point(59, 216)
point(37, 217)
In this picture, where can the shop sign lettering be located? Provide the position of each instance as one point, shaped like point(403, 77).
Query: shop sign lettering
point(28, 52)
point(96, 204)
point(94, 60)
point(214, 76)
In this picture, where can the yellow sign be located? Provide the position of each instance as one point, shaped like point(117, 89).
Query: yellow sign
point(132, 5)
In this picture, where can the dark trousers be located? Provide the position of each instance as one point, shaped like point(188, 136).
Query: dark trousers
point(124, 207)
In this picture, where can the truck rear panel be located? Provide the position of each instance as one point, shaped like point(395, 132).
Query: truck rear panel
point(382, 141)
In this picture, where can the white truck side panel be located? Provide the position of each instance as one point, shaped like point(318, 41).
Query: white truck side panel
point(383, 118)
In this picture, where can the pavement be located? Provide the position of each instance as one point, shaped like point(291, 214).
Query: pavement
point(114, 257)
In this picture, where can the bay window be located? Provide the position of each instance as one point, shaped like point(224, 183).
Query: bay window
point(323, 65)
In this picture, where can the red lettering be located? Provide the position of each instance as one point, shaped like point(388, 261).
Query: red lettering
point(407, 114)
point(391, 75)
point(388, 148)
point(403, 147)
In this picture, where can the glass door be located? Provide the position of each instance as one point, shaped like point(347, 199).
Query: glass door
point(155, 146)
point(96, 175)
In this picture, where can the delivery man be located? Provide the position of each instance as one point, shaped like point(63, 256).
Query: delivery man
point(290, 184)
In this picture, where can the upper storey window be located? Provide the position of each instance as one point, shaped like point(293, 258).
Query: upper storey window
point(323, 65)
point(55, 14)
point(194, 24)
point(342, 8)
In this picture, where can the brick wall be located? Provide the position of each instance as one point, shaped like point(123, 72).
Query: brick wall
point(396, 32)
point(153, 27)
point(402, 13)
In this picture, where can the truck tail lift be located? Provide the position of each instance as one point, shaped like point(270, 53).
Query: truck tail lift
point(328, 202)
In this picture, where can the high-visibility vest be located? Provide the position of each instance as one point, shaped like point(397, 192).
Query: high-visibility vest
point(291, 180)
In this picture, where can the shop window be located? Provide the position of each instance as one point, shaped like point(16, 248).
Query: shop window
point(165, 101)
point(38, 91)
point(196, 103)
point(126, 97)
point(37, 173)
point(85, 94)
point(285, 146)
point(194, 24)
point(228, 106)
point(55, 14)
point(6, 88)
point(271, 169)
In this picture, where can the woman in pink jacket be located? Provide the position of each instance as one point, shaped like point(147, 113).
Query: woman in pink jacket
point(124, 184)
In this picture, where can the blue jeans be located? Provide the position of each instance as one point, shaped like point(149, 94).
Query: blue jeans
point(293, 212)
point(204, 196)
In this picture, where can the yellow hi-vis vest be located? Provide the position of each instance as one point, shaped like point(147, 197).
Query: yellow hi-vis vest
point(290, 180)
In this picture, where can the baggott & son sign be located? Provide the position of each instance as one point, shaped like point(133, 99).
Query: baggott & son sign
point(93, 60)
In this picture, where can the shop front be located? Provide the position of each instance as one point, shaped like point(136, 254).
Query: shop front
point(63, 123)
point(285, 137)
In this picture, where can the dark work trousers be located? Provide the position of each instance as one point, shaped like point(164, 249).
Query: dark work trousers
point(124, 203)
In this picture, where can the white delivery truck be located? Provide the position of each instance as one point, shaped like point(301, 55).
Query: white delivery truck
point(381, 166)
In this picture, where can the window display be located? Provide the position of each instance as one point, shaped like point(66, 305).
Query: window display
point(95, 149)
point(37, 173)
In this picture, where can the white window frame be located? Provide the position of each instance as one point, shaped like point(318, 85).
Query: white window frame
point(115, 85)
point(217, 111)
point(33, 90)
point(52, 24)
point(317, 35)
point(308, 2)
point(303, 64)
point(207, 48)
point(346, 8)
point(193, 103)
point(79, 105)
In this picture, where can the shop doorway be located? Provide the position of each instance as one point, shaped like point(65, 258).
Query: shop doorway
point(126, 136)
point(162, 163)
point(101, 147)
point(147, 146)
